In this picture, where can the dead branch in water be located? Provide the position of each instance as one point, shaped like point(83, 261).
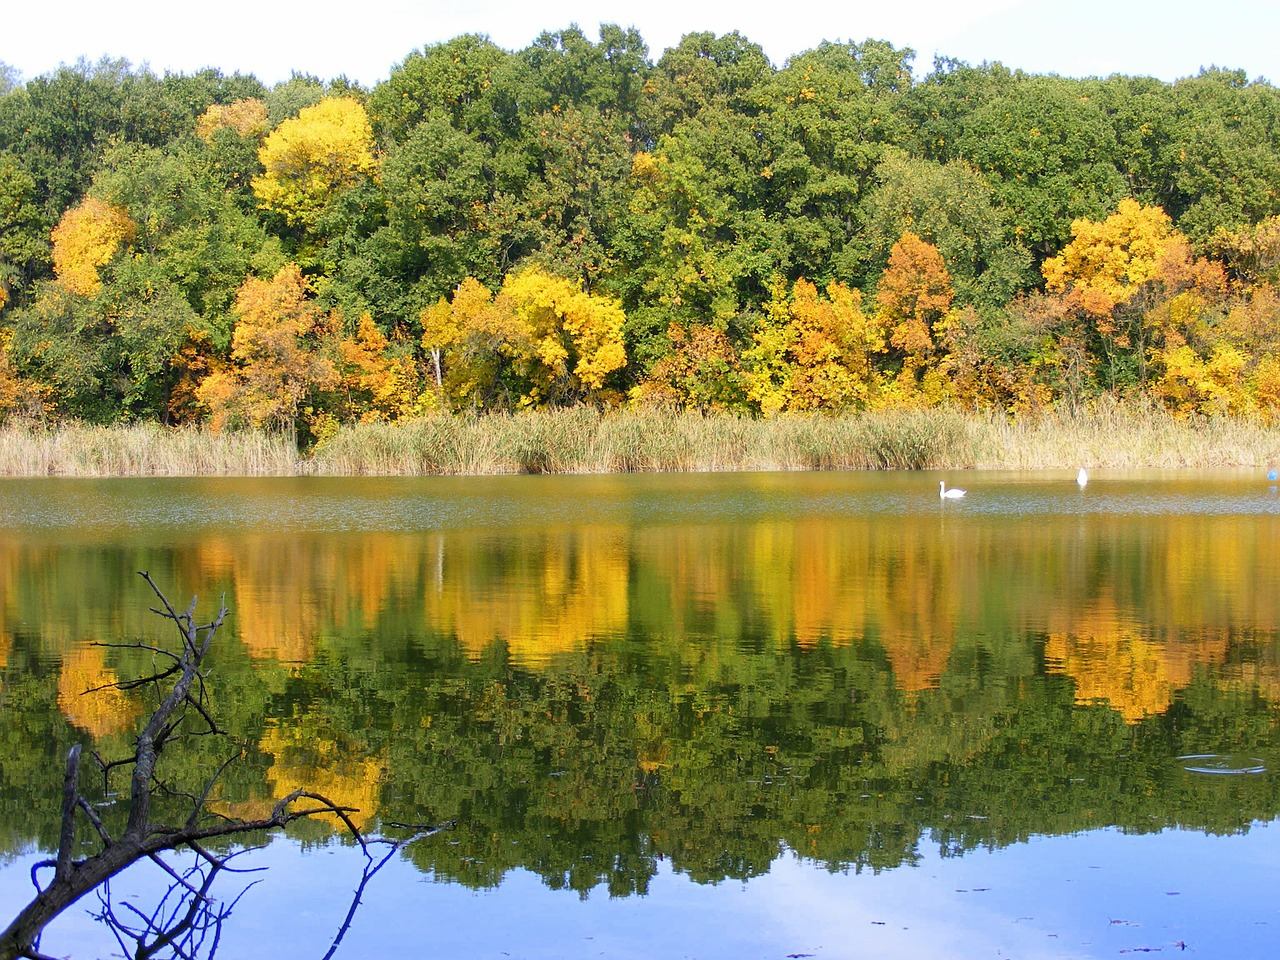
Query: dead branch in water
point(195, 921)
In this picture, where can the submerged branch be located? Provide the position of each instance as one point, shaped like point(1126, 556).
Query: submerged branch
point(196, 918)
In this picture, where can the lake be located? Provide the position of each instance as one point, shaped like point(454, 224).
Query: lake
point(714, 715)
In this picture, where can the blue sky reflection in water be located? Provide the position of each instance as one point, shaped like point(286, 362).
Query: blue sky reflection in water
point(667, 684)
point(1098, 894)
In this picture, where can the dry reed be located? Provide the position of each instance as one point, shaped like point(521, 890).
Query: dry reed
point(583, 440)
point(141, 450)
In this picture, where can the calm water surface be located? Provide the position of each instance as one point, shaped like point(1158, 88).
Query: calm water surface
point(754, 715)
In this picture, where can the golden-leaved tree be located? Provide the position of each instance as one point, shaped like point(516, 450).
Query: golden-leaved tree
point(246, 117)
point(471, 342)
point(1107, 263)
point(1106, 275)
point(277, 360)
point(87, 238)
point(814, 352)
point(700, 369)
point(326, 149)
point(574, 337)
point(913, 300)
point(1152, 305)
point(376, 382)
point(542, 338)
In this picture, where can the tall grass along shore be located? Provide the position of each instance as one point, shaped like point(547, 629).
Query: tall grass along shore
point(583, 440)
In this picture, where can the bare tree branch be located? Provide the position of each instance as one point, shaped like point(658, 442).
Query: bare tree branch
point(193, 919)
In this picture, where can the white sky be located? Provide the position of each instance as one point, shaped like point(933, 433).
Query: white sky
point(1162, 38)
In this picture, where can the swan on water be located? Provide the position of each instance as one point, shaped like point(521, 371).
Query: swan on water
point(1082, 477)
point(945, 494)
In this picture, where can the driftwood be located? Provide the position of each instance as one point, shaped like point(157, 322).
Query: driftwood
point(191, 921)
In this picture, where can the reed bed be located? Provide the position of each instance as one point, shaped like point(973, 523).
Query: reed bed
point(1111, 435)
point(583, 440)
point(141, 450)
point(1108, 435)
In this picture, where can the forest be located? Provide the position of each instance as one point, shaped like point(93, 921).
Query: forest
point(581, 223)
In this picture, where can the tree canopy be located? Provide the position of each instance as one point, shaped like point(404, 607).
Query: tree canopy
point(713, 198)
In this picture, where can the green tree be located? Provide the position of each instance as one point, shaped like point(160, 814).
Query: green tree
point(1224, 157)
point(830, 115)
point(439, 184)
point(1049, 155)
point(58, 125)
point(576, 196)
point(950, 206)
point(726, 72)
point(471, 79)
point(571, 71)
point(24, 245)
point(696, 245)
point(193, 232)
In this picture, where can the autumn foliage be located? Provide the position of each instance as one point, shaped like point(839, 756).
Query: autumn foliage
point(325, 149)
point(276, 365)
point(87, 238)
point(577, 224)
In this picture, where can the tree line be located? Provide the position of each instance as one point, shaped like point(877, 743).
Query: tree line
point(579, 222)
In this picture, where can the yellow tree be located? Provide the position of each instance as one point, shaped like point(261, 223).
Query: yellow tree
point(247, 117)
point(1106, 263)
point(471, 341)
point(86, 238)
point(574, 338)
point(1251, 254)
point(377, 384)
point(815, 352)
point(1108, 273)
point(913, 298)
point(701, 369)
point(19, 396)
point(276, 361)
point(542, 338)
point(326, 149)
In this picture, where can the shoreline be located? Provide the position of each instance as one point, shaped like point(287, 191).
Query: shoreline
point(585, 441)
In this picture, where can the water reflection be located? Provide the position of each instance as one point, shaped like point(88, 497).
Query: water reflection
point(605, 678)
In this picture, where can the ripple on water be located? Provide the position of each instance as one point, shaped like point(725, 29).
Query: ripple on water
point(1222, 764)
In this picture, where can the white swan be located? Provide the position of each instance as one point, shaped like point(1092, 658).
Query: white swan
point(945, 494)
point(1082, 477)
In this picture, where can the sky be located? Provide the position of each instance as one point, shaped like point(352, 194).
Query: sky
point(1167, 39)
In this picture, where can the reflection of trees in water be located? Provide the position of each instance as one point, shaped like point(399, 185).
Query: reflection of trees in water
point(147, 807)
point(586, 701)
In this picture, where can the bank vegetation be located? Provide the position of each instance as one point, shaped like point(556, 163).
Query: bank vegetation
point(822, 249)
point(1105, 435)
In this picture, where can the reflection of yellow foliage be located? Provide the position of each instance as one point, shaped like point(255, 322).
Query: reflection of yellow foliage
point(287, 590)
point(544, 591)
point(554, 596)
point(1138, 678)
point(276, 611)
point(315, 762)
point(918, 665)
point(1262, 677)
point(101, 713)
